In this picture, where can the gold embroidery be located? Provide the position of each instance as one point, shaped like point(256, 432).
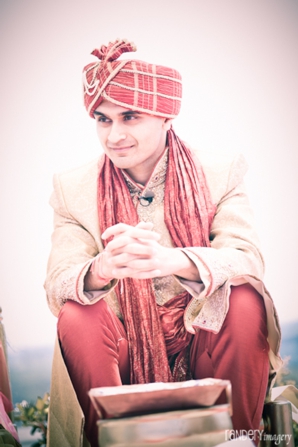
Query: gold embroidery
point(166, 287)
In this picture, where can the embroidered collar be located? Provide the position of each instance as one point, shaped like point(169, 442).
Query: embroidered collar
point(157, 177)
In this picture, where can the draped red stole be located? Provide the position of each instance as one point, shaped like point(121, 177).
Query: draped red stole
point(188, 214)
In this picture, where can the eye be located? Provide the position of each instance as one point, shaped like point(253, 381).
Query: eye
point(103, 119)
point(130, 117)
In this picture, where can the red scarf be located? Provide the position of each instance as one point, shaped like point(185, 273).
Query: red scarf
point(188, 214)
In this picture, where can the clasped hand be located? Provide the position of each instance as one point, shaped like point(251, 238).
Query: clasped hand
point(136, 253)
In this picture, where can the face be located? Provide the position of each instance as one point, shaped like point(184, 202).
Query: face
point(134, 141)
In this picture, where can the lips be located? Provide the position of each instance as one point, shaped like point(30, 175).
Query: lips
point(120, 149)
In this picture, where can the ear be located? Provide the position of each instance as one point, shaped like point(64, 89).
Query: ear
point(167, 124)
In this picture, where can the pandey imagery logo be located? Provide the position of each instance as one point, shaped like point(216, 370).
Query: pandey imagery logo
point(253, 435)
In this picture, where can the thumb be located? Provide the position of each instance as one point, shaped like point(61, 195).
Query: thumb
point(145, 225)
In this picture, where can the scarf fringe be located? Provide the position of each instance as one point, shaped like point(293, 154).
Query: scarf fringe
point(188, 226)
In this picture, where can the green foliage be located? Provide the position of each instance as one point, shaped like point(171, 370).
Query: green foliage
point(35, 415)
point(295, 430)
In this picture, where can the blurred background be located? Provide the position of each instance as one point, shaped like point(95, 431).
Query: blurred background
point(239, 63)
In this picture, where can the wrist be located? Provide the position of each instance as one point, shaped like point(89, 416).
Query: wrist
point(187, 268)
point(96, 270)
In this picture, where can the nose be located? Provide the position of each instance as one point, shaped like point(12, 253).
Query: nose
point(116, 133)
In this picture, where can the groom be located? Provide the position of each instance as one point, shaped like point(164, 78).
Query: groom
point(155, 270)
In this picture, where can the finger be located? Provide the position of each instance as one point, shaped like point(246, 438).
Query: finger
point(143, 231)
point(140, 233)
point(123, 242)
point(136, 265)
point(122, 260)
point(115, 230)
point(122, 227)
point(145, 225)
point(127, 272)
point(142, 265)
point(133, 246)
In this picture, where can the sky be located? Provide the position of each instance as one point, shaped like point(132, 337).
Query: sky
point(239, 63)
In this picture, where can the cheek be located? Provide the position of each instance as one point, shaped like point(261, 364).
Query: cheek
point(150, 135)
point(101, 134)
point(154, 138)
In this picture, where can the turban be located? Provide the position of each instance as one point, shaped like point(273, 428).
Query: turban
point(132, 84)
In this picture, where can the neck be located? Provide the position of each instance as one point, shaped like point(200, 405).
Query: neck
point(142, 174)
point(138, 176)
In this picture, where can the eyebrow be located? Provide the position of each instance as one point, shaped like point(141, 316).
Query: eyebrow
point(126, 113)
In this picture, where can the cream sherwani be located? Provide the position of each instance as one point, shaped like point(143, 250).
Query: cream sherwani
point(234, 257)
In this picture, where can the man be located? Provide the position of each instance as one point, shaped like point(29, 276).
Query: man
point(155, 271)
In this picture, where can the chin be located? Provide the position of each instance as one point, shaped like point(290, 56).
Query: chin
point(121, 163)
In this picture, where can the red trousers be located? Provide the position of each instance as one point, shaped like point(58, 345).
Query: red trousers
point(95, 351)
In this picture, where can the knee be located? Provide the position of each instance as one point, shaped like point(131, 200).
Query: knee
point(246, 304)
point(246, 317)
point(76, 317)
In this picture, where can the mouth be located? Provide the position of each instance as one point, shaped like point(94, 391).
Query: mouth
point(120, 149)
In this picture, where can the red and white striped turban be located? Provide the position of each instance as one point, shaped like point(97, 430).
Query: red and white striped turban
point(132, 84)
